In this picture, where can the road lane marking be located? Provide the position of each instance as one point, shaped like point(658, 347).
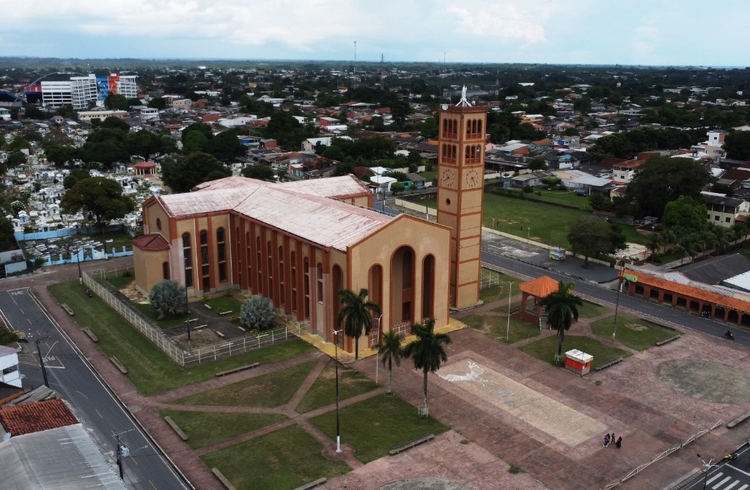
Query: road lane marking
point(97, 412)
point(152, 484)
point(716, 476)
point(134, 460)
point(721, 482)
point(29, 320)
point(79, 392)
point(732, 485)
point(743, 487)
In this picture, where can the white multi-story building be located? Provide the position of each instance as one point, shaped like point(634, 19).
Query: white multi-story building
point(83, 92)
point(126, 86)
point(56, 93)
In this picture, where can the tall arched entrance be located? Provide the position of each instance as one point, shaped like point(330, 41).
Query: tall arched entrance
point(402, 287)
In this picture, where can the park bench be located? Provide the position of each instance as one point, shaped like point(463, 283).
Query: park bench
point(608, 364)
point(238, 369)
point(312, 484)
point(734, 423)
point(91, 334)
point(68, 309)
point(219, 333)
point(176, 428)
point(666, 341)
point(119, 365)
point(225, 312)
point(200, 327)
point(408, 445)
point(222, 479)
point(207, 306)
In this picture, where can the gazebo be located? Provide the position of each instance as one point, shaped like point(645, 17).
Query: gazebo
point(537, 288)
point(145, 168)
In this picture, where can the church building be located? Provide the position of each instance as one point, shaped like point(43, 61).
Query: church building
point(299, 243)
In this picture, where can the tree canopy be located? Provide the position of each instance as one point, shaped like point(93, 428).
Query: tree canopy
point(562, 309)
point(591, 236)
point(259, 172)
point(684, 215)
point(355, 316)
point(99, 196)
point(427, 350)
point(737, 145)
point(187, 172)
point(663, 179)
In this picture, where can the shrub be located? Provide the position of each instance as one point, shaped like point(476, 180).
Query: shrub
point(257, 313)
point(168, 298)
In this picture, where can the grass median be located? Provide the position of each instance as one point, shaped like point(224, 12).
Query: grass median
point(323, 390)
point(284, 459)
point(546, 348)
point(150, 370)
point(206, 428)
point(378, 424)
point(633, 332)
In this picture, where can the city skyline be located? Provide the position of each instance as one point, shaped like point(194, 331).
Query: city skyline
point(638, 32)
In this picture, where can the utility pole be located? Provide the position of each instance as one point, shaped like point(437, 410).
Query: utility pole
point(41, 359)
point(122, 451)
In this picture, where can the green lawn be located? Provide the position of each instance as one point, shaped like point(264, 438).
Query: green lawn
point(284, 459)
point(546, 348)
point(150, 370)
point(270, 390)
point(153, 315)
point(591, 310)
point(121, 280)
point(224, 303)
point(206, 428)
point(376, 425)
point(500, 291)
point(323, 390)
point(540, 221)
point(557, 197)
point(497, 327)
point(634, 332)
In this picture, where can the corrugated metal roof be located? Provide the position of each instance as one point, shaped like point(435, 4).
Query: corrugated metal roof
point(330, 187)
point(57, 459)
point(317, 219)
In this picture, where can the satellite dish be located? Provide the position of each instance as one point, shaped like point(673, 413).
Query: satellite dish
point(445, 107)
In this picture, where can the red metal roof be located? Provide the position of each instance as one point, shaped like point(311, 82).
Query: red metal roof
point(145, 165)
point(540, 287)
point(151, 242)
point(36, 417)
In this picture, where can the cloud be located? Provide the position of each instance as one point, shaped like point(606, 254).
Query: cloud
point(505, 21)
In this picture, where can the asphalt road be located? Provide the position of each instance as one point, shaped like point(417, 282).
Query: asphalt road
point(92, 402)
point(726, 475)
point(647, 309)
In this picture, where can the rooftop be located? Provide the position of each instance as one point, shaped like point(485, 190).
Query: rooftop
point(35, 417)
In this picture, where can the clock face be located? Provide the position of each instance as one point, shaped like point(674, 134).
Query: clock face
point(472, 178)
point(447, 177)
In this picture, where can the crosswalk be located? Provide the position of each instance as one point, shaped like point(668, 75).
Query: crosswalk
point(723, 481)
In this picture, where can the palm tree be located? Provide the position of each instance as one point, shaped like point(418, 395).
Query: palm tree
point(562, 308)
point(722, 238)
point(391, 350)
point(654, 241)
point(427, 351)
point(685, 246)
point(356, 315)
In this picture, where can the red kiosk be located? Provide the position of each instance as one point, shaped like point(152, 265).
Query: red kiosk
point(577, 361)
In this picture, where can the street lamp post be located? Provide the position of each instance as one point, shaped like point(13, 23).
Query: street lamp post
point(617, 301)
point(41, 359)
point(187, 318)
point(336, 364)
point(377, 352)
point(706, 469)
point(507, 330)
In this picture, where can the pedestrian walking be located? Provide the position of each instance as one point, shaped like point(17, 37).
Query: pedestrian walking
point(612, 438)
point(618, 444)
point(606, 440)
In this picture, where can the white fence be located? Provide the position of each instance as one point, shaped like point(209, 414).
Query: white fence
point(420, 208)
point(172, 348)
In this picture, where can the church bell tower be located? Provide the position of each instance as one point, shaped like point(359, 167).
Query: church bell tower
point(461, 194)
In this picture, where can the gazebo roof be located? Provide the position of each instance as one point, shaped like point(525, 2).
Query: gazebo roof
point(540, 287)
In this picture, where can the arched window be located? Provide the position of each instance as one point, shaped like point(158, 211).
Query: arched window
point(187, 253)
point(221, 252)
point(306, 271)
point(479, 127)
point(205, 262)
point(165, 270)
point(269, 265)
point(293, 271)
point(259, 264)
point(282, 290)
point(249, 259)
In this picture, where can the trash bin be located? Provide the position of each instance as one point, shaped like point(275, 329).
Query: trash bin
point(577, 361)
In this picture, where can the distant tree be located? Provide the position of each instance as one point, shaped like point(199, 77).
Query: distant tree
point(144, 144)
point(115, 123)
point(15, 158)
point(202, 128)
point(590, 236)
point(106, 152)
point(6, 235)
point(400, 111)
point(195, 142)
point(66, 111)
point(61, 154)
point(722, 189)
point(663, 179)
point(427, 350)
point(259, 172)
point(157, 103)
point(737, 145)
point(355, 316)
point(685, 215)
point(116, 101)
point(18, 143)
point(34, 112)
point(287, 131)
point(168, 298)
point(225, 146)
point(74, 177)
point(397, 187)
point(562, 309)
point(615, 145)
point(187, 172)
point(257, 313)
point(100, 196)
point(429, 128)
point(537, 163)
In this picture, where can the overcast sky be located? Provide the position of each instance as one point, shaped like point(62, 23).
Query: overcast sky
point(634, 32)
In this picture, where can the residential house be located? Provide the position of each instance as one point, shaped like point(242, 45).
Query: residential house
point(723, 210)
